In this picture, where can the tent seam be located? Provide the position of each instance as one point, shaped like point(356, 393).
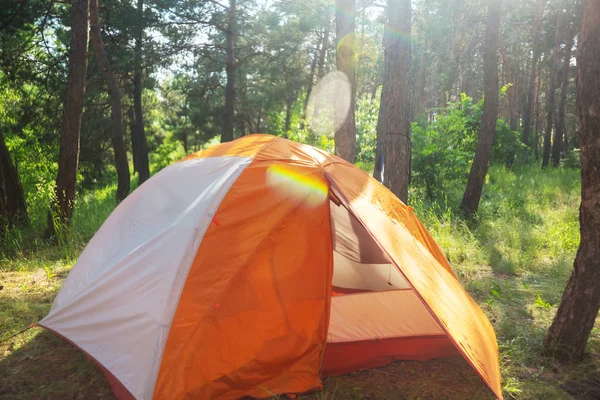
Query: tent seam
point(197, 247)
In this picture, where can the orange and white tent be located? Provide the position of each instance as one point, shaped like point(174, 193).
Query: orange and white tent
point(257, 267)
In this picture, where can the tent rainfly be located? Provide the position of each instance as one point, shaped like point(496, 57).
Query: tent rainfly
point(258, 267)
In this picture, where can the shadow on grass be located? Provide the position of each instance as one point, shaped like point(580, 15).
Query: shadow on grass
point(47, 367)
point(448, 378)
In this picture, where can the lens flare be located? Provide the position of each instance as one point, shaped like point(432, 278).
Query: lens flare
point(329, 103)
point(396, 33)
point(349, 46)
point(368, 51)
point(299, 185)
point(362, 49)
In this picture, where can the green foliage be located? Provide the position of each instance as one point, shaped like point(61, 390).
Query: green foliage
point(166, 153)
point(443, 151)
point(367, 112)
point(307, 136)
point(571, 159)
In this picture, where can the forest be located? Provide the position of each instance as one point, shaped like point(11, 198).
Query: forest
point(481, 115)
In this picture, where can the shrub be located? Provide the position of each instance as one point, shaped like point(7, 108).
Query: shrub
point(442, 152)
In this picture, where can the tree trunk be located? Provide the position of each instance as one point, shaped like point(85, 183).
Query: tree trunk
point(537, 115)
point(527, 122)
point(118, 132)
point(472, 195)
point(379, 160)
point(68, 156)
point(560, 130)
point(393, 124)
point(230, 71)
point(323, 52)
point(257, 129)
point(567, 337)
point(344, 122)
point(132, 128)
point(511, 92)
point(242, 117)
point(552, 90)
point(516, 73)
point(184, 141)
point(13, 208)
point(139, 146)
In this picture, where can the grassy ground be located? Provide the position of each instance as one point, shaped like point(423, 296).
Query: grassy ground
point(514, 260)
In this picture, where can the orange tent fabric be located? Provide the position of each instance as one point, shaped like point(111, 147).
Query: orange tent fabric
point(283, 265)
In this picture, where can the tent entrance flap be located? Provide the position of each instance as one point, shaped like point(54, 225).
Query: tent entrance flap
point(375, 315)
point(358, 262)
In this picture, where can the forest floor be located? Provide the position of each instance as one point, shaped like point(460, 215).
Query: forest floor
point(514, 261)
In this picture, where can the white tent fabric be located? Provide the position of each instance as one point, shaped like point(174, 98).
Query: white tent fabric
point(133, 270)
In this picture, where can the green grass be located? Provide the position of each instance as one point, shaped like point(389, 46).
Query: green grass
point(514, 260)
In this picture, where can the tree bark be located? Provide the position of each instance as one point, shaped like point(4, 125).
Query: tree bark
point(323, 52)
point(345, 125)
point(552, 90)
point(560, 129)
point(537, 115)
point(13, 208)
point(139, 146)
point(242, 117)
point(132, 128)
point(567, 337)
point(470, 201)
point(230, 71)
point(118, 132)
point(511, 92)
point(527, 120)
point(68, 158)
point(393, 123)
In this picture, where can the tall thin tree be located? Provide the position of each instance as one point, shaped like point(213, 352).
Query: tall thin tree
point(393, 124)
point(230, 71)
point(139, 145)
point(13, 208)
point(479, 168)
point(68, 158)
point(538, 106)
point(528, 114)
point(560, 129)
point(567, 337)
point(345, 125)
point(550, 99)
point(114, 93)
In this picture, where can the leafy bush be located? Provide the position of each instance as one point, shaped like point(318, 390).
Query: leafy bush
point(166, 153)
point(571, 159)
point(367, 112)
point(442, 152)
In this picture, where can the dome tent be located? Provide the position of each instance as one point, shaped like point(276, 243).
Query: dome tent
point(257, 267)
